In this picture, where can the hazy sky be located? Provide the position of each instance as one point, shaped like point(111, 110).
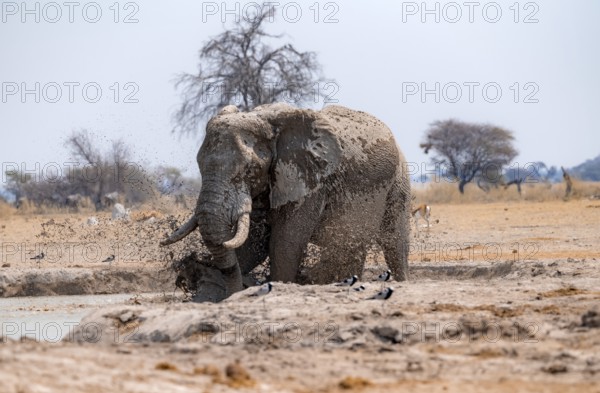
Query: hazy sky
point(382, 55)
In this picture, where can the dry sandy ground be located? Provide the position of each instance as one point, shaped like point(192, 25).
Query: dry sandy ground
point(503, 297)
point(74, 253)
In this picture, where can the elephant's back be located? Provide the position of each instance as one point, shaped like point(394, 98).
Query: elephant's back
point(371, 155)
point(357, 121)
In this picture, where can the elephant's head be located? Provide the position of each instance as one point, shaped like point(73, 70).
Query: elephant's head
point(247, 155)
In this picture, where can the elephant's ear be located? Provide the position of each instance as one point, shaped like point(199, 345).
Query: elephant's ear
point(307, 152)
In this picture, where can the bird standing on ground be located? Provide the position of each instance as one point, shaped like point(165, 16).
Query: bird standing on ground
point(383, 295)
point(385, 276)
point(265, 289)
point(348, 282)
point(110, 258)
point(262, 291)
point(38, 258)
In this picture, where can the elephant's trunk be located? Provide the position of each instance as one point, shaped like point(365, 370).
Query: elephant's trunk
point(217, 219)
point(224, 216)
point(221, 210)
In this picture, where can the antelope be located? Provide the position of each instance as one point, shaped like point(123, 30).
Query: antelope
point(422, 211)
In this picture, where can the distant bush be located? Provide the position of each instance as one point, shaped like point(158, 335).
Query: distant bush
point(589, 170)
point(86, 182)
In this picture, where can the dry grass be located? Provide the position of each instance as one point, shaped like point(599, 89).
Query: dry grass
point(238, 377)
point(6, 210)
point(354, 383)
point(568, 291)
point(432, 193)
point(209, 370)
point(586, 189)
point(31, 209)
point(144, 215)
point(445, 192)
point(155, 206)
point(166, 366)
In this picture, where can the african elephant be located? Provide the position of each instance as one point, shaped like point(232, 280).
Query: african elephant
point(334, 178)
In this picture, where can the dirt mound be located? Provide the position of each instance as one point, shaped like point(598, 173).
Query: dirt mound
point(324, 338)
point(463, 272)
point(78, 281)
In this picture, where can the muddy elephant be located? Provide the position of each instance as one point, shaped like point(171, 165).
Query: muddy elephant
point(277, 178)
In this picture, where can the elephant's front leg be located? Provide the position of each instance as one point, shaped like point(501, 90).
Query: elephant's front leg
point(256, 248)
point(291, 229)
point(227, 263)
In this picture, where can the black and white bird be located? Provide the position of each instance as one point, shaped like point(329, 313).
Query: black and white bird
point(348, 282)
point(38, 257)
point(360, 289)
point(110, 258)
point(383, 295)
point(385, 276)
point(264, 290)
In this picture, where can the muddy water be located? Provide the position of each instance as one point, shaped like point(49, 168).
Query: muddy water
point(49, 318)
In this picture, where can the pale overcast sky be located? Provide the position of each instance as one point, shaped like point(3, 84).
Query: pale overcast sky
point(378, 51)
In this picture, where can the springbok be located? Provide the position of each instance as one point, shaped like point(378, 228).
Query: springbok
point(422, 211)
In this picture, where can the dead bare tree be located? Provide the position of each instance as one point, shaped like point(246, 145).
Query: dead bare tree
point(91, 166)
point(467, 150)
point(238, 67)
point(101, 174)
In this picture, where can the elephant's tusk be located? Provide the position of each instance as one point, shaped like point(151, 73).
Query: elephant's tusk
point(243, 227)
point(181, 232)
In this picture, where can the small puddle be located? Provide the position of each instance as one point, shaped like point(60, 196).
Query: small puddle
point(49, 318)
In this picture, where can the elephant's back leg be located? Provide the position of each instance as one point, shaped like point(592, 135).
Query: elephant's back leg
point(395, 229)
point(341, 257)
point(349, 226)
